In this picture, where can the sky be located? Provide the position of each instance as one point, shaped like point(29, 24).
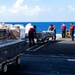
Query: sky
point(37, 10)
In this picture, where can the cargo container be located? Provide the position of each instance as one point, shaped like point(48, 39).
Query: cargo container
point(10, 52)
point(45, 35)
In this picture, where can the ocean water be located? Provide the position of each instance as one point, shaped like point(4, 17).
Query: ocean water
point(43, 26)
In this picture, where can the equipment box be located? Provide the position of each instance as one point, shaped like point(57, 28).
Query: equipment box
point(45, 35)
point(3, 34)
point(10, 51)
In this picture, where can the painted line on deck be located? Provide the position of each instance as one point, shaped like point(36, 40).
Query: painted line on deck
point(71, 60)
point(40, 47)
point(29, 49)
point(44, 45)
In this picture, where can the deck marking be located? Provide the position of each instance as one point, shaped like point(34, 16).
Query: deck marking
point(40, 47)
point(44, 45)
point(70, 59)
point(31, 48)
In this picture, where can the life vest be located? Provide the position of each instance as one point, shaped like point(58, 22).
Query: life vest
point(71, 27)
point(63, 27)
point(31, 30)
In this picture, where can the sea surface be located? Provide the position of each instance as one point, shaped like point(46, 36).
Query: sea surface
point(43, 26)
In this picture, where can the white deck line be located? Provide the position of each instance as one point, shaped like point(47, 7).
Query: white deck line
point(70, 59)
point(30, 48)
point(57, 35)
point(40, 47)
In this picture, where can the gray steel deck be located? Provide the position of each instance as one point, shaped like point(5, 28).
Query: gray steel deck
point(52, 58)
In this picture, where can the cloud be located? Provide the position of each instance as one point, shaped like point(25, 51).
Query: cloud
point(18, 11)
point(34, 11)
point(18, 3)
point(16, 6)
point(61, 9)
point(71, 8)
point(67, 10)
point(49, 9)
point(2, 9)
point(36, 0)
point(19, 8)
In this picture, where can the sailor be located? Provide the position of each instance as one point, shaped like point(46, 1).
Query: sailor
point(32, 35)
point(63, 27)
point(52, 28)
point(72, 30)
